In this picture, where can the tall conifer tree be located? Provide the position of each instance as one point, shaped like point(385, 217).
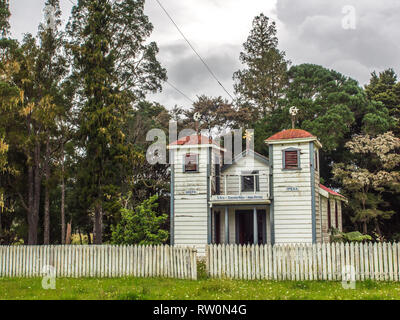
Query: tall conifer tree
point(115, 69)
point(261, 82)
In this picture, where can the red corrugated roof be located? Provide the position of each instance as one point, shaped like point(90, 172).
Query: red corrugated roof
point(192, 140)
point(330, 191)
point(290, 134)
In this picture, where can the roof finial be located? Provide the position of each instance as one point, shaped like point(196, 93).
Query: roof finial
point(249, 139)
point(197, 117)
point(293, 112)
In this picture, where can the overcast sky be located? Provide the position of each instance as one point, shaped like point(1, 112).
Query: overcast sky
point(309, 31)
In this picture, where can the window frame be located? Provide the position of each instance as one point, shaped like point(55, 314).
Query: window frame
point(252, 175)
point(196, 155)
point(284, 159)
point(336, 215)
point(329, 214)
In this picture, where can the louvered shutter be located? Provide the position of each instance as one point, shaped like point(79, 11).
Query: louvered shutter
point(291, 160)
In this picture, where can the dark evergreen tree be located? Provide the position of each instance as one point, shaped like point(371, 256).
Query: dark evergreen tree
point(264, 77)
point(4, 17)
point(114, 68)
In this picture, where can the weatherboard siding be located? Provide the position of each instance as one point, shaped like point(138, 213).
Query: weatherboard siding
point(191, 210)
point(245, 164)
point(292, 209)
point(317, 200)
point(340, 215)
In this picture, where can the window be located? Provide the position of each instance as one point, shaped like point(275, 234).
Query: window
point(291, 159)
point(336, 216)
point(316, 160)
point(248, 181)
point(329, 214)
point(191, 163)
point(217, 179)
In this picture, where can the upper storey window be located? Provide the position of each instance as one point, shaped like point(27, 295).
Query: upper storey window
point(191, 163)
point(291, 159)
point(250, 181)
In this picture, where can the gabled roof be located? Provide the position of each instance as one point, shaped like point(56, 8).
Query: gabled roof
point(257, 156)
point(291, 134)
point(330, 191)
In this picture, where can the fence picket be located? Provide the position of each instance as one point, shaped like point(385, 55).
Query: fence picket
point(385, 262)
point(390, 261)
point(378, 261)
point(395, 262)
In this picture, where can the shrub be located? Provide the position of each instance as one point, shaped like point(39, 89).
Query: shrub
point(141, 225)
point(354, 236)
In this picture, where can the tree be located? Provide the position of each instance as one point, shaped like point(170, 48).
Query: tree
point(333, 107)
point(114, 68)
point(4, 17)
point(141, 226)
point(143, 180)
point(32, 124)
point(51, 71)
point(373, 171)
point(10, 98)
point(216, 114)
point(264, 77)
point(385, 89)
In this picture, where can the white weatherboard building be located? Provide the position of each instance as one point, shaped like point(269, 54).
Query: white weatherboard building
point(254, 200)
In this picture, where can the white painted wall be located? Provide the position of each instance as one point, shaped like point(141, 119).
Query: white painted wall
point(242, 165)
point(292, 209)
point(190, 210)
point(331, 201)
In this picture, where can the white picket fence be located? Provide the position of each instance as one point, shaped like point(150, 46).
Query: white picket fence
point(329, 261)
point(98, 261)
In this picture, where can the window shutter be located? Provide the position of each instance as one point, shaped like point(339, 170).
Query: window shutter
point(291, 159)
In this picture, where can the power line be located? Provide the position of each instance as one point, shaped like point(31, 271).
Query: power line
point(194, 50)
point(172, 86)
point(180, 91)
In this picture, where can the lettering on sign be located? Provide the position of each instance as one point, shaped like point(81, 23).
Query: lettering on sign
point(292, 189)
point(249, 197)
point(191, 192)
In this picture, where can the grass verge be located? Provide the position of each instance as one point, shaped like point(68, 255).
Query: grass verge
point(173, 289)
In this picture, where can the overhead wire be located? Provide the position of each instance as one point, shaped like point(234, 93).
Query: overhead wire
point(194, 50)
point(179, 91)
point(208, 68)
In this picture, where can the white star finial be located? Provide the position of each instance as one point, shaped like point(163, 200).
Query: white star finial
point(293, 111)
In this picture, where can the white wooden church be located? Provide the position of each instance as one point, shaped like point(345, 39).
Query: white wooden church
point(253, 200)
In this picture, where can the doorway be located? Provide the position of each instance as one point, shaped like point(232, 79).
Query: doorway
point(245, 227)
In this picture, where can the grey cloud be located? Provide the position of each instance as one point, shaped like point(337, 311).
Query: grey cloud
point(308, 30)
point(186, 71)
point(314, 33)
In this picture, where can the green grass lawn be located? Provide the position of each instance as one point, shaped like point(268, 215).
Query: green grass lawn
point(164, 289)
